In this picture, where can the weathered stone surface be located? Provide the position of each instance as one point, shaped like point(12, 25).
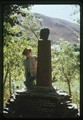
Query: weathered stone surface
point(34, 104)
point(44, 64)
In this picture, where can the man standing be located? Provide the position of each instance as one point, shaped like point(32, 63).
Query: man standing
point(30, 65)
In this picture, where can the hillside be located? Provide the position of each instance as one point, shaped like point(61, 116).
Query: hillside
point(60, 29)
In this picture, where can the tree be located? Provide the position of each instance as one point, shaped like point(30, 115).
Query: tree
point(65, 63)
point(76, 12)
point(15, 40)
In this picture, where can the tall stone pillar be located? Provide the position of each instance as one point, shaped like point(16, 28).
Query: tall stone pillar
point(44, 59)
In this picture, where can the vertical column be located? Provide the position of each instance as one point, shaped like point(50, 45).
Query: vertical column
point(44, 63)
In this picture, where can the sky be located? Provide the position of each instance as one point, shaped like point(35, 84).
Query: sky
point(56, 11)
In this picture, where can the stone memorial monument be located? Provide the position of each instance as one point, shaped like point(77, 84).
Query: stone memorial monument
point(43, 101)
point(44, 59)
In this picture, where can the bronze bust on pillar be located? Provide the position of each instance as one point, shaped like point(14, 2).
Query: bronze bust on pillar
point(44, 34)
point(44, 59)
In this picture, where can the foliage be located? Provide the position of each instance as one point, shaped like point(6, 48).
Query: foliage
point(15, 40)
point(76, 11)
point(12, 9)
point(66, 66)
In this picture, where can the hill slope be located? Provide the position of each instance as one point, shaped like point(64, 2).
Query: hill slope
point(60, 28)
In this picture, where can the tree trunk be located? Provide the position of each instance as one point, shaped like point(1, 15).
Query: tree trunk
point(68, 82)
point(10, 82)
point(5, 78)
point(69, 87)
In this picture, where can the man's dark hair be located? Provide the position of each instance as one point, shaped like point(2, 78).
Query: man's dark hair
point(44, 33)
point(25, 50)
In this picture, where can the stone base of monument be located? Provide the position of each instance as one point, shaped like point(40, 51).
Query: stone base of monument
point(40, 102)
point(43, 89)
